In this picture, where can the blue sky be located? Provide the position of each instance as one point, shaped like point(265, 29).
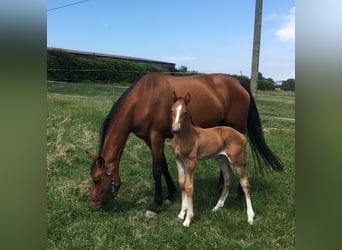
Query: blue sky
point(206, 36)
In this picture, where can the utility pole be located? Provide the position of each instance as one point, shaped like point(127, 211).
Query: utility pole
point(256, 46)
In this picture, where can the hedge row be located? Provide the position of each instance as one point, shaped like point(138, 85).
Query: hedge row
point(63, 66)
point(289, 84)
point(265, 85)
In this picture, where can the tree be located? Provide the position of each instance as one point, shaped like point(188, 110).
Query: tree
point(289, 84)
point(265, 85)
point(183, 69)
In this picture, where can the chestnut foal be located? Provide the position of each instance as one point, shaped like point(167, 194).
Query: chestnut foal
point(191, 143)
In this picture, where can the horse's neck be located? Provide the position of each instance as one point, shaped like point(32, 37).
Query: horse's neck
point(116, 136)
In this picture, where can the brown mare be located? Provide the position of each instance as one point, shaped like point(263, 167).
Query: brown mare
point(144, 109)
point(191, 143)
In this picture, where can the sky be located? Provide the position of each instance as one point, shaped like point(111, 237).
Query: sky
point(205, 36)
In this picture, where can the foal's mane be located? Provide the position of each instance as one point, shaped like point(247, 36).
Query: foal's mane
point(192, 121)
point(108, 121)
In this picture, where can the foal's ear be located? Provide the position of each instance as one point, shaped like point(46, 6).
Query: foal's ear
point(187, 99)
point(175, 98)
point(91, 156)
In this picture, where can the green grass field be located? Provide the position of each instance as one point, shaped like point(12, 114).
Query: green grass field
point(73, 126)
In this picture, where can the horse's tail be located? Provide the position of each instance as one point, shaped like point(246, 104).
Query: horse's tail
point(260, 150)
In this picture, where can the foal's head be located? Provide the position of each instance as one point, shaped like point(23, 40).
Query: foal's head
point(103, 186)
point(179, 111)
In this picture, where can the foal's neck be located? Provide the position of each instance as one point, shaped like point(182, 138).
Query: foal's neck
point(188, 129)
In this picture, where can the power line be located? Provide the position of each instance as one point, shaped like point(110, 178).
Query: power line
point(67, 5)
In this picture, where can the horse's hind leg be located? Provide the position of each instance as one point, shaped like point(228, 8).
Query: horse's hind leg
point(241, 170)
point(227, 177)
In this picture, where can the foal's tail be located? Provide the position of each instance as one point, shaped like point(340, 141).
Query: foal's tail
point(260, 150)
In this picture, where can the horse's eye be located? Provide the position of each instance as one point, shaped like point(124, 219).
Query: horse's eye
point(96, 182)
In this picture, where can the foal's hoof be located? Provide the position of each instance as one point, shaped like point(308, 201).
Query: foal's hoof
point(181, 216)
point(151, 214)
point(186, 223)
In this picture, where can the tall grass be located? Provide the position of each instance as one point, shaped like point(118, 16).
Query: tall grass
point(73, 127)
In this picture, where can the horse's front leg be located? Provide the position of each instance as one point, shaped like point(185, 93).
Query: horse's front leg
point(169, 182)
point(158, 196)
point(159, 166)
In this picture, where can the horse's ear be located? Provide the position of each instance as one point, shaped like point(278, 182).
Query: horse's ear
point(187, 99)
point(91, 156)
point(175, 98)
point(101, 161)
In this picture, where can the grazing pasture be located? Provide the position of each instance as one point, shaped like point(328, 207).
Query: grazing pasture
point(75, 115)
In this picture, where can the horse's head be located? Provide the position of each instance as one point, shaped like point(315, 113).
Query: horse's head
point(103, 186)
point(179, 111)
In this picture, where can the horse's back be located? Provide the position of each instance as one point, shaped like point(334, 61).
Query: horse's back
point(215, 99)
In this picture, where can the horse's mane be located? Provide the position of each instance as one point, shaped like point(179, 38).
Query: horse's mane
point(108, 120)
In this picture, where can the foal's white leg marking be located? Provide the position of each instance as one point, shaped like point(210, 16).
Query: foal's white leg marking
point(186, 222)
point(250, 212)
point(184, 207)
point(189, 213)
point(181, 178)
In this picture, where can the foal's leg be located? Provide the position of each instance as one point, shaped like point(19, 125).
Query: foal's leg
point(181, 182)
point(227, 176)
point(189, 189)
point(241, 170)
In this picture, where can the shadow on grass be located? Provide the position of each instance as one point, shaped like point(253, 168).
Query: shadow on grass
point(206, 195)
point(206, 191)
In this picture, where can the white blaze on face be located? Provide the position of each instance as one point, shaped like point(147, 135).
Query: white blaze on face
point(178, 110)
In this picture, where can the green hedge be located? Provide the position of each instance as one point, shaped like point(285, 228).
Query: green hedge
point(265, 85)
point(62, 66)
point(289, 84)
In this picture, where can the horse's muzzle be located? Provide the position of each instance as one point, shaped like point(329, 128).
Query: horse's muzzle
point(175, 130)
point(97, 206)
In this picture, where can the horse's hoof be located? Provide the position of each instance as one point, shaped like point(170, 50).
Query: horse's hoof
point(170, 199)
point(150, 214)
